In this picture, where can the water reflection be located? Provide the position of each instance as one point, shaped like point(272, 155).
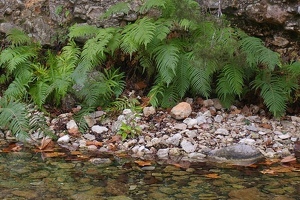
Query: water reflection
point(27, 176)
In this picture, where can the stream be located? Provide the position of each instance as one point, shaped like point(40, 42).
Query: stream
point(27, 175)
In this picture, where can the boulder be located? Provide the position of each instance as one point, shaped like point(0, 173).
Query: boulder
point(181, 110)
point(239, 154)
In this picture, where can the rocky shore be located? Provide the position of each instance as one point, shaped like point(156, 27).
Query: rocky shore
point(195, 131)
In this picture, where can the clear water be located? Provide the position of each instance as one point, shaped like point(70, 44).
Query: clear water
point(27, 176)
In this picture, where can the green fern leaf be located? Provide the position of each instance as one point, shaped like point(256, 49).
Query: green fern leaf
point(150, 4)
point(134, 35)
point(167, 57)
point(18, 37)
point(233, 75)
point(120, 7)
point(257, 53)
point(18, 88)
point(77, 31)
point(200, 81)
point(39, 93)
point(273, 93)
point(13, 116)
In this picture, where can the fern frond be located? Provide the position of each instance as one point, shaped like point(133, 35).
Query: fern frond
point(200, 80)
point(257, 53)
point(167, 57)
point(120, 7)
point(124, 102)
point(18, 88)
point(77, 31)
point(13, 115)
point(232, 75)
point(182, 79)
point(17, 37)
point(156, 92)
point(12, 57)
point(139, 33)
point(273, 93)
point(39, 93)
point(163, 28)
point(150, 4)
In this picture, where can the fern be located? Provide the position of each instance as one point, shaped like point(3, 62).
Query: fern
point(139, 33)
point(150, 4)
point(257, 53)
point(272, 91)
point(17, 37)
point(13, 116)
point(77, 31)
point(167, 58)
point(120, 7)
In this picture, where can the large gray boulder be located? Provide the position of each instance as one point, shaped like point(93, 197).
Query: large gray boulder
point(239, 154)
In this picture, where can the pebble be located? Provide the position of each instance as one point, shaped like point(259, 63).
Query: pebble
point(99, 129)
point(64, 139)
point(187, 146)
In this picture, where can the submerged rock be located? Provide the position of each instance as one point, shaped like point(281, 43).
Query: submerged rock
point(239, 154)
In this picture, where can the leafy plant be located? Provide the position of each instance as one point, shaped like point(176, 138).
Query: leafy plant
point(129, 131)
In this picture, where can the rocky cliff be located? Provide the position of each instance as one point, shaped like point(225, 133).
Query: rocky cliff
point(276, 21)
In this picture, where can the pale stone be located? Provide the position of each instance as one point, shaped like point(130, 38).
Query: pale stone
point(147, 111)
point(187, 146)
point(217, 104)
point(181, 110)
point(163, 153)
point(89, 136)
point(222, 131)
point(99, 129)
point(64, 139)
point(247, 141)
point(174, 140)
point(208, 103)
point(190, 122)
point(180, 126)
point(72, 125)
point(218, 118)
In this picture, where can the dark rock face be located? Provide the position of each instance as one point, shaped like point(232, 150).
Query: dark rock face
point(276, 21)
point(239, 154)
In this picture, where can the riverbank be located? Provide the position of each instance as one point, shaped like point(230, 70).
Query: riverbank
point(160, 134)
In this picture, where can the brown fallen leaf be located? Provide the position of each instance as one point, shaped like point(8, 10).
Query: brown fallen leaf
point(235, 111)
point(115, 138)
point(46, 143)
point(212, 176)
point(143, 163)
point(288, 159)
point(12, 147)
point(265, 125)
point(94, 142)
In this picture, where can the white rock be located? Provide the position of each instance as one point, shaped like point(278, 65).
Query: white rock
point(82, 143)
point(163, 153)
point(201, 120)
point(187, 146)
point(218, 118)
point(72, 125)
point(64, 139)
point(147, 111)
point(180, 126)
point(196, 156)
point(89, 136)
point(295, 119)
point(174, 140)
point(247, 141)
point(284, 136)
point(99, 129)
point(127, 112)
point(191, 134)
point(92, 147)
point(252, 128)
point(190, 122)
point(222, 131)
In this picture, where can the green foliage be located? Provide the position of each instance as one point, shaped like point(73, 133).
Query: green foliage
point(124, 102)
point(13, 115)
point(129, 131)
point(100, 89)
point(121, 7)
